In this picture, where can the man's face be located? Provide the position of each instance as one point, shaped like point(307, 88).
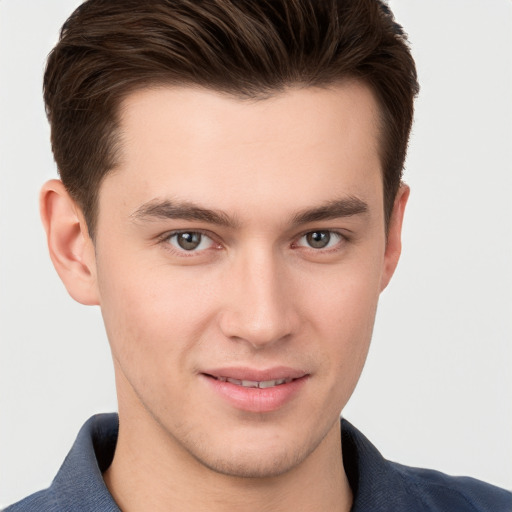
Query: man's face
point(240, 253)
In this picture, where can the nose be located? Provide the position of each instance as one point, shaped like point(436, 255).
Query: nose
point(259, 307)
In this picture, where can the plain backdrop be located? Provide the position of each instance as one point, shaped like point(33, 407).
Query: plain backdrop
point(437, 388)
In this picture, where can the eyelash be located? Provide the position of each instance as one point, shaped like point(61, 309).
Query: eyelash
point(165, 239)
point(342, 239)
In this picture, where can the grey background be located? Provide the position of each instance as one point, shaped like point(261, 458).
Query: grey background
point(437, 388)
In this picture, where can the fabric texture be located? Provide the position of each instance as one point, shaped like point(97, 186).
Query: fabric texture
point(378, 485)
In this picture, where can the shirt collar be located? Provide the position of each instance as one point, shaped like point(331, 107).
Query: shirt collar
point(375, 482)
point(80, 480)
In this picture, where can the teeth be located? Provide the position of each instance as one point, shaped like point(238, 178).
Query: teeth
point(255, 384)
point(272, 383)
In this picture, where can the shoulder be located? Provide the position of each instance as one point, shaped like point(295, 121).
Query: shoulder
point(79, 484)
point(379, 484)
point(438, 491)
point(42, 501)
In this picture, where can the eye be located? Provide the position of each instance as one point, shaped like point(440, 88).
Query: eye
point(323, 239)
point(190, 241)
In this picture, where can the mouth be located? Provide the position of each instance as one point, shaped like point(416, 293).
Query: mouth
point(261, 384)
point(257, 391)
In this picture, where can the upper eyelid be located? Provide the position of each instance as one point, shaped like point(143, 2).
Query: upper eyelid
point(217, 239)
point(342, 233)
point(340, 243)
point(173, 232)
point(164, 238)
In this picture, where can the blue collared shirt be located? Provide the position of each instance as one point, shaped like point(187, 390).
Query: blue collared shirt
point(378, 485)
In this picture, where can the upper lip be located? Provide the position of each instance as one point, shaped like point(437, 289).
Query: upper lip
point(254, 374)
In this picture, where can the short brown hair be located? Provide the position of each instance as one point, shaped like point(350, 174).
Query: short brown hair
point(247, 48)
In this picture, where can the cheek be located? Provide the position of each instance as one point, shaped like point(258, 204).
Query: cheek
point(152, 316)
point(344, 298)
point(342, 312)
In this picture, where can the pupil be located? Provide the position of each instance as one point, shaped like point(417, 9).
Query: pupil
point(189, 241)
point(318, 239)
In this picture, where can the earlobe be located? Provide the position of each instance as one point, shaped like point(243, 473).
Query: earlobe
point(394, 237)
point(71, 248)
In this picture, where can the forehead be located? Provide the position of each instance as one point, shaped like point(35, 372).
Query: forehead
point(303, 144)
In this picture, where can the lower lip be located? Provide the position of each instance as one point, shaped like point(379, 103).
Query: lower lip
point(256, 399)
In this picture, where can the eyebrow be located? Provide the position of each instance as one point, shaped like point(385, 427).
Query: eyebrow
point(185, 210)
point(338, 208)
point(166, 209)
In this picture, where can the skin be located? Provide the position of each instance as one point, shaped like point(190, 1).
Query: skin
point(254, 294)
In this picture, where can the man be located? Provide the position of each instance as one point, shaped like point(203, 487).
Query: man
point(231, 198)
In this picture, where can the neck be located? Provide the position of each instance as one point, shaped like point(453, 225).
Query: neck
point(149, 472)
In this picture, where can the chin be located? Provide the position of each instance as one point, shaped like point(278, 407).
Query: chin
point(253, 465)
point(254, 454)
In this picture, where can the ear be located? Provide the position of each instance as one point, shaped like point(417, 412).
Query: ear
point(394, 237)
point(71, 248)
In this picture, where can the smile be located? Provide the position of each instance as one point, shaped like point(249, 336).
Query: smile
point(254, 383)
point(256, 391)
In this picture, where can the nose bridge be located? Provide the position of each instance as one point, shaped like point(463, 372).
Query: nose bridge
point(259, 308)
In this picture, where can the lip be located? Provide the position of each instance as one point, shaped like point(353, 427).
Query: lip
point(254, 374)
point(255, 399)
